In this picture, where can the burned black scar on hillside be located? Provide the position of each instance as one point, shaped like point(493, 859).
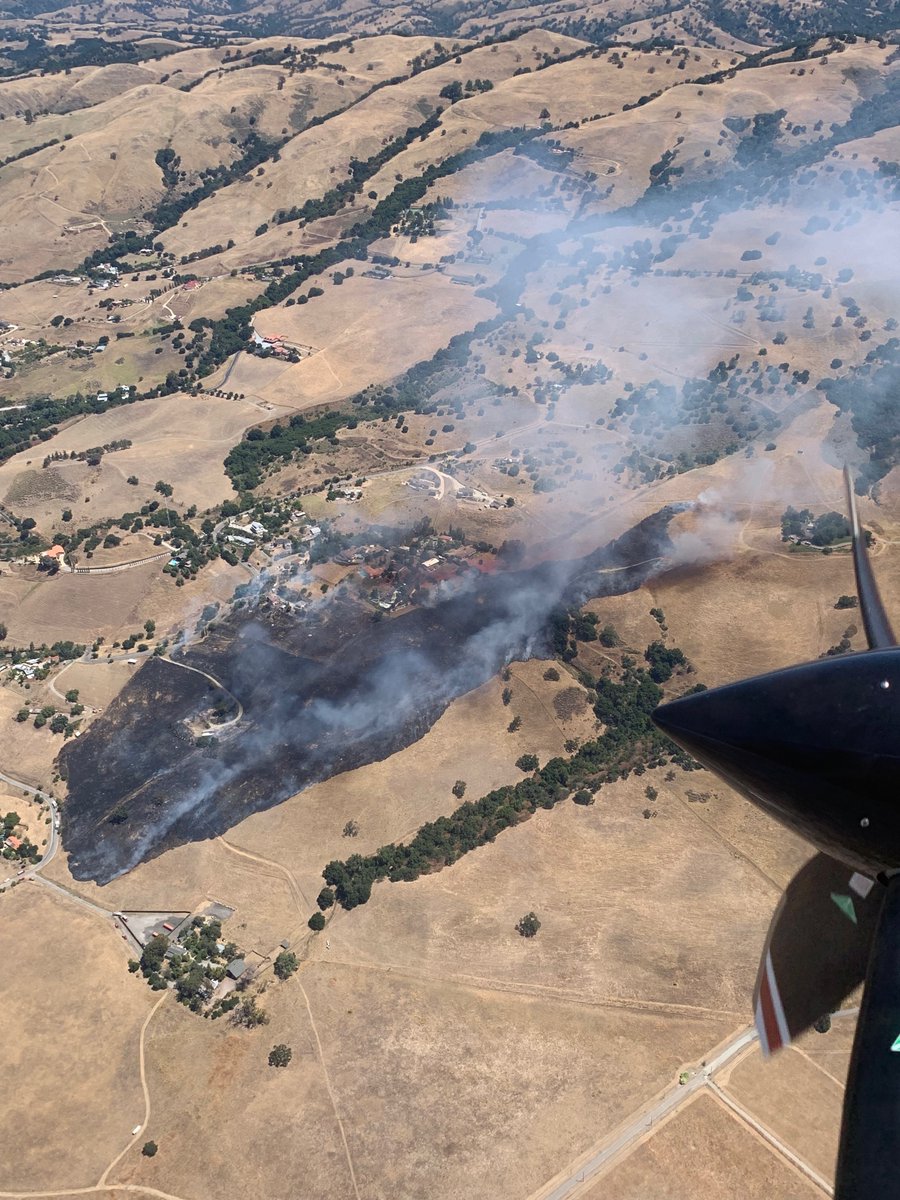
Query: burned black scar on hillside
point(320, 693)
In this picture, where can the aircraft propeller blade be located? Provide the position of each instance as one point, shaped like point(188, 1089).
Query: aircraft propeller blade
point(816, 950)
point(879, 634)
point(870, 1134)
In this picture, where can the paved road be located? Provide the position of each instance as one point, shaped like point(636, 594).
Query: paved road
point(670, 1100)
point(32, 874)
point(97, 909)
point(227, 374)
point(52, 844)
point(675, 1096)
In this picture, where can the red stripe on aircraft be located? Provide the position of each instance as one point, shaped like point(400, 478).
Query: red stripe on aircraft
point(773, 1035)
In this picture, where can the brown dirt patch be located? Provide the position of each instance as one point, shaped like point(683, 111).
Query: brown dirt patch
point(772, 1091)
point(75, 1074)
point(703, 1151)
point(261, 1131)
point(572, 702)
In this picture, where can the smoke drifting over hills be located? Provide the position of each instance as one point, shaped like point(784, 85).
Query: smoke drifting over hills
point(689, 368)
point(319, 696)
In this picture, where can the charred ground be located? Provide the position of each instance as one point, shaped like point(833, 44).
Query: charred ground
point(320, 694)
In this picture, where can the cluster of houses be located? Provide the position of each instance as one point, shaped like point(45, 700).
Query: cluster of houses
point(29, 669)
point(111, 280)
point(245, 535)
point(425, 482)
point(275, 343)
point(392, 579)
point(192, 944)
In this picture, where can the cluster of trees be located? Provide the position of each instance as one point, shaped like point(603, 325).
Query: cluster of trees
point(248, 460)
point(843, 646)
point(53, 56)
point(528, 925)
point(663, 660)
point(459, 91)
point(387, 212)
point(62, 650)
point(824, 530)
point(567, 627)
point(868, 393)
point(168, 162)
point(359, 173)
point(280, 1055)
point(28, 151)
point(22, 428)
point(92, 456)
point(630, 742)
point(205, 252)
point(56, 721)
point(548, 153)
point(253, 151)
point(286, 963)
point(197, 965)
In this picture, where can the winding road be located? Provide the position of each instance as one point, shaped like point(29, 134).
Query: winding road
point(52, 844)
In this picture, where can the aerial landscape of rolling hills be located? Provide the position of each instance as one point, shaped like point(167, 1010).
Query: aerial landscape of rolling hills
point(398, 402)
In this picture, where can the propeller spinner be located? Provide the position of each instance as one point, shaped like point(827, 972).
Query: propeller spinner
point(817, 747)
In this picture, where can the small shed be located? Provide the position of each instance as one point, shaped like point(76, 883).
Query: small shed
point(235, 968)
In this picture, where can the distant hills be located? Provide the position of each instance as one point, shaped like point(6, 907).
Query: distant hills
point(723, 23)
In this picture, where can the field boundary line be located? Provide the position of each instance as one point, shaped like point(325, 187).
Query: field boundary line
point(771, 1139)
point(331, 1095)
point(93, 1191)
point(543, 991)
point(793, 1046)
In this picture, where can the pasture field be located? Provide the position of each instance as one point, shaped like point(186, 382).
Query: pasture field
point(179, 439)
point(66, 983)
point(721, 1157)
point(81, 608)
point(811, 1129)
point(422, 310)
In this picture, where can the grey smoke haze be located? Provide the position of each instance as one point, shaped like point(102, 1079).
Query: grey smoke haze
point(371, 691)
